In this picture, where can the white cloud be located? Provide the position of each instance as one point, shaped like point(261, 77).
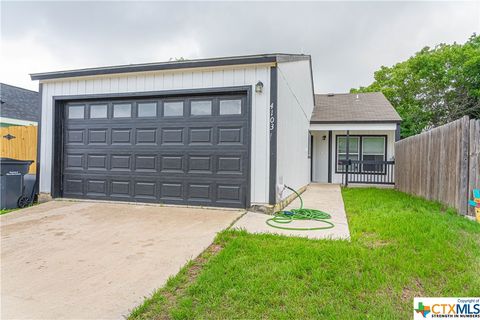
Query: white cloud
point(22, 56)
point(348, 41)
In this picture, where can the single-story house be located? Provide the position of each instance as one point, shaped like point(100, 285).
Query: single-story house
point(19, 106)
point(372, 125)
point(226, 132)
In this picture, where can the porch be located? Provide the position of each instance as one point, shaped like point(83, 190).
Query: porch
point(353, 139)
point(353, 153)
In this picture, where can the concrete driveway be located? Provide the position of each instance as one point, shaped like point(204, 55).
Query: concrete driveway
point(86, 260)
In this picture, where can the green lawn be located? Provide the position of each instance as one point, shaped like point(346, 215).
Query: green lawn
point(401, 247)
point(3, 211)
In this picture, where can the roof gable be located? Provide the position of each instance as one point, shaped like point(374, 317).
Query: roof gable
point(353, 107)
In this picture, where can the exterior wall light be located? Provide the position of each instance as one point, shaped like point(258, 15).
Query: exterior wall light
point(259, 87)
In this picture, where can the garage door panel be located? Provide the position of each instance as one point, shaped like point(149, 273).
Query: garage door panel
point(121, 162)
point(172, 136)
point(193, 163)
point(145, 189)
point(120, 188)
point(172, 190)
point(200, 192)
point(199, 159)
point(97, 162)
point(74, 161)
point(200, 164)
point(73, 186)
point(121, 136)
point(75, 137)
point(97, 187)
point(145, 163)
point(229, 193)
point(200, 136)
point(171, 163)
point(230, 165)
point(230, 135)
point(97, 136)
point(146, 136)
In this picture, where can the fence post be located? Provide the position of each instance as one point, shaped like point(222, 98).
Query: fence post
point(464, 157)
point(348, 158)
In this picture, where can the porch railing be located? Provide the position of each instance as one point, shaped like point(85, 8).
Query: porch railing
point(367, 172)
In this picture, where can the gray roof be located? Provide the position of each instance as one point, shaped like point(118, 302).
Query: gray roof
point(353, 107)
point(177, 64)
point(19, 103)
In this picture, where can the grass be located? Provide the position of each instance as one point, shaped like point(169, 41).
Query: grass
point(3, 211)
point(401, 247)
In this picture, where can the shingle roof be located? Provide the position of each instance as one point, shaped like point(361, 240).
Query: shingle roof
point(353, 107)
point(19, 103)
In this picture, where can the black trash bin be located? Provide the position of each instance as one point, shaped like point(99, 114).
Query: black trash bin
point(12, 185)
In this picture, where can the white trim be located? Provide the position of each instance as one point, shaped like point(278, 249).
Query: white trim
point(17, 122)
point(353, 126)
point(158, 72)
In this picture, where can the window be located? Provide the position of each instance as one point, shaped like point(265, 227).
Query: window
point(230, 107)
point(201, 108)
point(76, 112)
point(373, 149)
point(173, 109)
point(122, 110)
point(147, 109)
point(98, 111)
point(353, 152)
point(366, 148)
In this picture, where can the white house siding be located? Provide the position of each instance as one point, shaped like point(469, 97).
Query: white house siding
point(320, 163)
point(170, 80)
point(295, 105)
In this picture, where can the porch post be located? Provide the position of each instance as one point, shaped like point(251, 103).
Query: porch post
point(348, 158)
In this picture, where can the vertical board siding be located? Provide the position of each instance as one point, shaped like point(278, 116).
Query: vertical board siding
point(441, 164)
point(295, 105)
point(22, 147)
point(163, 81)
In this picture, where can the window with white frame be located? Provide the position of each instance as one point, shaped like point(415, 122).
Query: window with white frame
point(353, 151)
point(365, 148)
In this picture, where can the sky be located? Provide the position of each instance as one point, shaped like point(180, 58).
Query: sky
point(348, 41)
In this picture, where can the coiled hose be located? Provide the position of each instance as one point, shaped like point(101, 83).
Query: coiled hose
point(286, 217)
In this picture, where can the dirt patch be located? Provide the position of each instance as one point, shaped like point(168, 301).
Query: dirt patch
point(414, 290)
point(372, 241)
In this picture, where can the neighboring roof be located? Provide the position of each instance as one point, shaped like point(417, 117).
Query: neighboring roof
point(19, 103)
point(353, 107)
point(197, 63)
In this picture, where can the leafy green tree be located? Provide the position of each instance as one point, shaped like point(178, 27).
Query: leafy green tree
point(433, 87)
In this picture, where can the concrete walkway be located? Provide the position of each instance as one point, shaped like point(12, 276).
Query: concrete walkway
point(85, 260)
point(325, 197)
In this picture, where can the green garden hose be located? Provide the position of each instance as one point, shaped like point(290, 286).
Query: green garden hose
point(285, 217)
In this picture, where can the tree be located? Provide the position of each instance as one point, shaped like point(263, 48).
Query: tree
point(433, 87)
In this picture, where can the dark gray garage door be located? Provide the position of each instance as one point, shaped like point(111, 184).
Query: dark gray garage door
point(180, 150)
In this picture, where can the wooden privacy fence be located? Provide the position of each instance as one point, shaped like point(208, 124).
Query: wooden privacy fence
point(19, 142)
point(442, 164)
